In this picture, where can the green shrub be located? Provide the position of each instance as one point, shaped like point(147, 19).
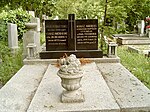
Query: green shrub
point(136, 63)
point(11, 62)
point(18, 17)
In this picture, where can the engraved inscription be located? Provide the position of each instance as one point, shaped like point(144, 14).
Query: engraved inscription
point(56, 34)
point(86, 34)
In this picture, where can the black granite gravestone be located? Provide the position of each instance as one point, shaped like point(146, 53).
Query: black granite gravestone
point(79, 37)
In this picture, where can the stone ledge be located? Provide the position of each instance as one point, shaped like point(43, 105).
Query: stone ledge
point(17, 93)
point(130, 94)
point(54, 61)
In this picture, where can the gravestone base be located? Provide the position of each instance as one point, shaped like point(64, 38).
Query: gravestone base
point(72, 97)
point(78, 53)
point(14, 49)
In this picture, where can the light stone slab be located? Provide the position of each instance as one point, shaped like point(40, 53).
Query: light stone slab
point(97, 94)
point(129, 92)
point(125, 35)
point(18, 92)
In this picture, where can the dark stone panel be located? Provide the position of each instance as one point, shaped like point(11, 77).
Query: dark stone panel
point(56, 34)
point(87, 34)
point(79, 54)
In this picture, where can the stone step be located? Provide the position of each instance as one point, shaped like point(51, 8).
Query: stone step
point(18, 92)
point(129, 92)
point(97, 94)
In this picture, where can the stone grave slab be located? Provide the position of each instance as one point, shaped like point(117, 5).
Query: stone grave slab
point(141, 49)
point(125, 35)
point(130, 94)
point(97, 94)
point(71, 36)
point(133, 40)
point(18, 92)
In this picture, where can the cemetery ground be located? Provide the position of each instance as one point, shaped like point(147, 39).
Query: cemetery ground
point(136, 63)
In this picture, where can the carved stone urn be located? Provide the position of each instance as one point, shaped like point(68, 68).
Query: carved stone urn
point(70, 73)
point(31, 26)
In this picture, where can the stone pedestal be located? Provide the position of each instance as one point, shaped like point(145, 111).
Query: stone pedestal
point(37, 35)
point(72, 96)
point(28, 37)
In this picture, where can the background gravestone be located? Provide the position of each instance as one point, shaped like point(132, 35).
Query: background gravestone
point(12, 36)
point(79, 37)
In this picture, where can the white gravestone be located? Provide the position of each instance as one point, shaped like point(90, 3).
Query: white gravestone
point(12, 36)
point(141, 25)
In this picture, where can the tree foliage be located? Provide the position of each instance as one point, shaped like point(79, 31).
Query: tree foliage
point(120, 11)
point(18, 17)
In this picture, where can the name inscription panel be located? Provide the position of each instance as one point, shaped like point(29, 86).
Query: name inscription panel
point(87, 34)
point(56, 34)
point(60, 34)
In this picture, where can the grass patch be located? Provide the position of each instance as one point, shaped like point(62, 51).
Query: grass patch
point(42, 38)
point(11, 62)
point(136, 63)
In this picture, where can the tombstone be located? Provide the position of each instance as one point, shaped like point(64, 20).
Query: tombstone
point(28, 37)
point(79, 37)
point(32, 13)
point(37, 29)
point(141, 25)
point(12, 37)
